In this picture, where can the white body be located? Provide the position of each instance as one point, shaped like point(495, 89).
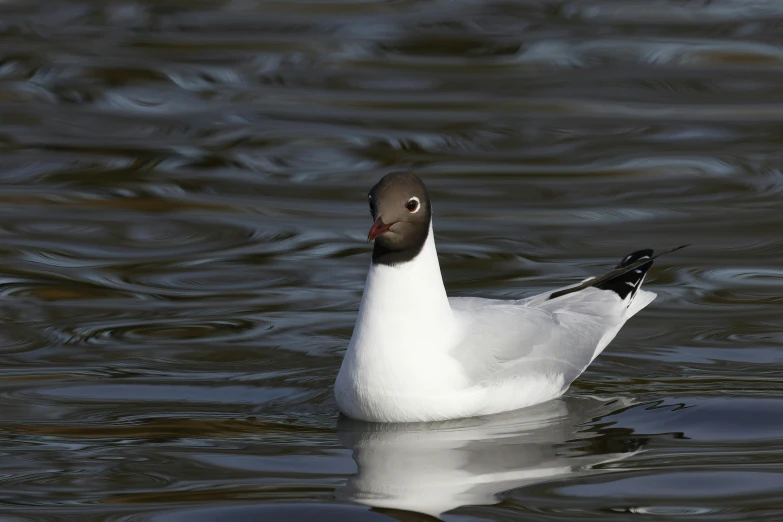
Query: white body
point(418, 356)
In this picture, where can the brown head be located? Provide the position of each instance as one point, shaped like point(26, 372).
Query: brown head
point(401, 208)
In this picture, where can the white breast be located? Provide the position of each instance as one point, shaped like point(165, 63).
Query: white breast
point(398, 355)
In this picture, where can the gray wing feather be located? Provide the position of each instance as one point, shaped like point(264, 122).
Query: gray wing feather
point(534, 336)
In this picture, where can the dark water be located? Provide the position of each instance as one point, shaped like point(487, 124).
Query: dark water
point(182, 224)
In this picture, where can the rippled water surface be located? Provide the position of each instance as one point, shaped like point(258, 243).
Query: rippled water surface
point(182, 249)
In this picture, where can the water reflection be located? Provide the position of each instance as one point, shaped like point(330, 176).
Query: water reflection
point(432, 468)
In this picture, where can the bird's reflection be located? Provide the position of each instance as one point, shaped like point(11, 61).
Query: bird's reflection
point(435, 467)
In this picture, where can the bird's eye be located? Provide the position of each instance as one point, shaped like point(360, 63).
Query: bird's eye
point(413, 205)
point(372, 204)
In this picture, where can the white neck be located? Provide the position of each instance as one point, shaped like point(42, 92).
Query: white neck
point(405, 324)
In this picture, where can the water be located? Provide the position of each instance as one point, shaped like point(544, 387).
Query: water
point(182, 225)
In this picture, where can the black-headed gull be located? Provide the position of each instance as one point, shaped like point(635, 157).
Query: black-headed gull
point(417, 355)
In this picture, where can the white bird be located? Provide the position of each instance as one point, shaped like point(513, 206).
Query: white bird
point(417, 355)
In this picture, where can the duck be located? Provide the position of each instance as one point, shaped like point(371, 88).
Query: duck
point(418, 355)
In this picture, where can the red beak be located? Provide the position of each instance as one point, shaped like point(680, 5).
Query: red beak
point(378, 228)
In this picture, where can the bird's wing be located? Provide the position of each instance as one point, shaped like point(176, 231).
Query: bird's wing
point(558, 337)
point(553, 335)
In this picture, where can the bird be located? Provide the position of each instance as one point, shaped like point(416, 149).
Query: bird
point(418, 355)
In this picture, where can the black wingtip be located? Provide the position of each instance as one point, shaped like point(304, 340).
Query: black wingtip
point(633, 257)
point(628, 282)
point(627, 276)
